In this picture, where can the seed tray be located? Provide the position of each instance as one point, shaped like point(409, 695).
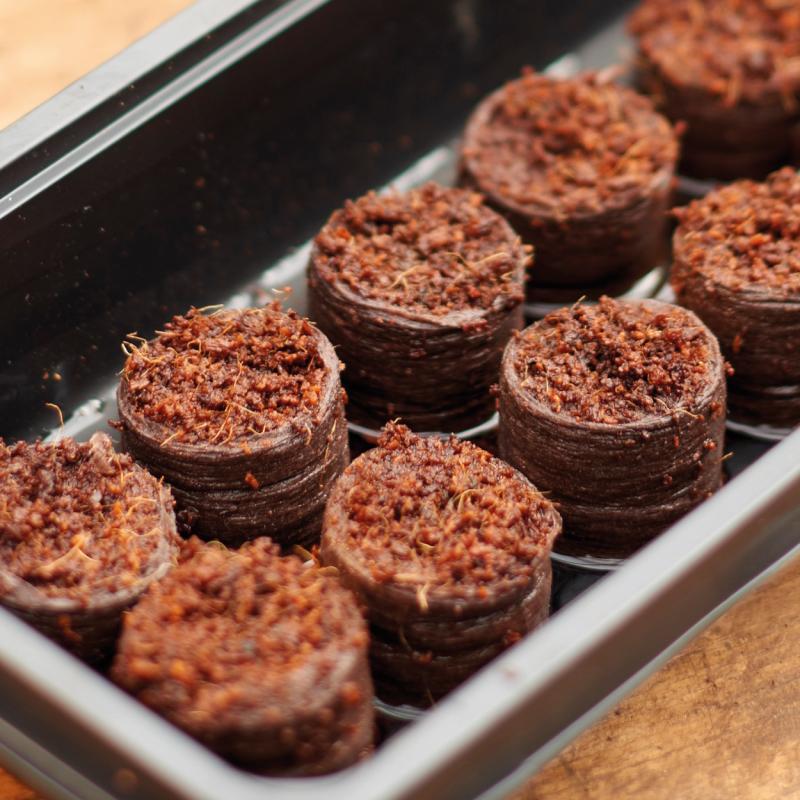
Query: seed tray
point(191, 169)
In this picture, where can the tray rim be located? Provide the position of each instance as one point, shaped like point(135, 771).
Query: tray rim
point(99, 109)
point(442, 746)
point(466, 738)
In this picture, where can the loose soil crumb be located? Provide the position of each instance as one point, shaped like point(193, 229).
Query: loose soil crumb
point(228, 630)
point(746, 236)
point(434, 250)
point(438, 514)
point(735, 49)
point(77, 520)
point(227, 377)
point(558, 147)
point(615, 362)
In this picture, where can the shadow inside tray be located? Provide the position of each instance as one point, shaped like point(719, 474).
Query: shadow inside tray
point(568, 583)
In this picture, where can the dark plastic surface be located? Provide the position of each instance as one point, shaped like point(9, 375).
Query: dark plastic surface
point(203, 195)
point(229, 151)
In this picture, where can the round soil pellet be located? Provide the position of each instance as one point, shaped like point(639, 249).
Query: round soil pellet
point(419, 291)
point(617, 410)
point(582, 168)
point(729, 70)
point(737, 266)
point(448, 549)
point(260, 657)
point(242, 412)
point(83, 532)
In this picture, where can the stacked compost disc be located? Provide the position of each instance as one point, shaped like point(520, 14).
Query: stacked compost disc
point(419, 292)
point(728, 70)
point(582, 169)
point(618, 411)
point(737, 265)
point(83, 532)
point(448, 549)
point(242, 412)
point(261, 658)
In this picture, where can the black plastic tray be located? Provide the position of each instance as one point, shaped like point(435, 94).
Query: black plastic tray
point(190, 170)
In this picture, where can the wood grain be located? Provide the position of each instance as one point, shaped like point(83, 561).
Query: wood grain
point(11, 789)
point(47, 44)
point(721, 720)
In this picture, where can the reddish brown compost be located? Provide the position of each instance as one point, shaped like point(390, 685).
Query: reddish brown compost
point(582, 169)
point(242, 412)
point(83, 531)
point(260, 657)
point(737, 265)
point(448, 548)
point(618, 410)
point(729, 69)
point(419, 291)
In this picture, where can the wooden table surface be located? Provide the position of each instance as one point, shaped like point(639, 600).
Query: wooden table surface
point(47, 44)
point(721, 721)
